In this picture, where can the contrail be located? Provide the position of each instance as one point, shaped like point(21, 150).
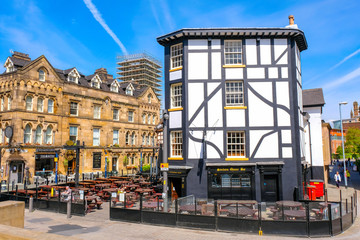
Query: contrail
point(344, 79)
point(98, 17)
point(345, 59)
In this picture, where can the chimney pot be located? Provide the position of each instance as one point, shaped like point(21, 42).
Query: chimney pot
point(291, 20)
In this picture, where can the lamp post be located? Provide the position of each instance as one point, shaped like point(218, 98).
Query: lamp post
point(141, 162)
point(342, 142)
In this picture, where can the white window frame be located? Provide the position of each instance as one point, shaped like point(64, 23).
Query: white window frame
point(176, 144)
point(27, 134)
point(130, 116)
point(153, 119)
point(40, 104)
point(143, 139)
point(76, 133)
point(41, 75)
point(133, 139)
point(234, 93)
point(144, 118)
point(97, 111)
point(176, 56)
point(127, 138)
point(116, 114)
point(176, 95)
point(96, 136)
point(38, 135)
point(231, 56)
point(72, 104)
point(9, 103)
point(235, 144)
point(29, 105)
point(115, 136)
point(50, 106)
point(149, 119)
point(114, 87)
point(49, 137)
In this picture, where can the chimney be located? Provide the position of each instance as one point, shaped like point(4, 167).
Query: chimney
point(291, 20)
point(103, 74)
point(22, 56)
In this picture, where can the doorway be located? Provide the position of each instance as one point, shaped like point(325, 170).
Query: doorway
point(16, 172)
point(175, 188)
point(270, 188)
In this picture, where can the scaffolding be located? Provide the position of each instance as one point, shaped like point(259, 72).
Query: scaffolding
point(142, 69)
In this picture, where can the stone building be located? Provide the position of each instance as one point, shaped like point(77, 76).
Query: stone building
point(46, 107)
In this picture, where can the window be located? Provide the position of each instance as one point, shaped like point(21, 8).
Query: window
point(74, 108)
point(97, 111)
point(73, 133)
point(29, 101)
point(50, 106)
point(1, 135)
point(129, 91)
point(149, 98)
point(38, 135)
point(133, 139)
point(144, 118)
point(153, 141)
point(131, 116)
point(114, 87)
point(116, 114)
point(96, 137)
point(41, 75)
point(116, 137)
point(149, 119)
point(176, 94)
point(9, 103)
point(2, 104)
point(154, 119)
point(127, 140)
point(236, 144)
point(40, 105)
point(27, 134)
point(176, 53)
point(143, 140)
point(233, 52)
point(234, 93)
point(49, 135)
point(96, 160)
point(95, 84)
point(147, 140)
point(176, 144)
point(73, 76)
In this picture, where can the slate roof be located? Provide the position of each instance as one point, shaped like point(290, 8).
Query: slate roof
point(313, 97)
point(19, 62)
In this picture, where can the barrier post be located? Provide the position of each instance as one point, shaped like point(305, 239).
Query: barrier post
point(31, 204)
point(216, 214)
point(341, 225)
point(352, 211)
point(330, 219)
point(307, 218)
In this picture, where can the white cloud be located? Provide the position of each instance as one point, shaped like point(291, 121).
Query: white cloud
point(348, 77)
point(98, 17)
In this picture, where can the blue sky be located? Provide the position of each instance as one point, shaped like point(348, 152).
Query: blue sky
point(90, 34)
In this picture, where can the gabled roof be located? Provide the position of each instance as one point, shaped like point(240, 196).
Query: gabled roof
point(313, 97)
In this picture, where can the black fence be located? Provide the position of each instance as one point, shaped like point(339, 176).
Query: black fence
point(306, 218)
point(55, 203)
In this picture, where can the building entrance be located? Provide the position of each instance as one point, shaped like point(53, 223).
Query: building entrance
point(270, 191)
point(16, 173)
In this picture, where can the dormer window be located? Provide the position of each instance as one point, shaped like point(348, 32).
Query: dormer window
point(114, 87)
point(129, 90)
point(9, 65)
point(96, 81)
point(73, 76)
point(41, 75)
point(95, 84)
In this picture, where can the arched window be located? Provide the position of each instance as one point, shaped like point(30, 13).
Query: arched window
point(2, 103)
point(27, 134)
point(49, 135)
point(154, 119)
point(152, 141)
point(133, 139)
point(149, 119)
point(144, 118)
point(147, 140)
point(1, 135)
point(143, 139)
point(29, 101)
point(38, 135)
point(40, 105)
point(9, 102)
point(50, 106)
point(41, 75)
point(127, 141)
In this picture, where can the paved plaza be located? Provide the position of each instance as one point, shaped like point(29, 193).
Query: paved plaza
point(97, 225)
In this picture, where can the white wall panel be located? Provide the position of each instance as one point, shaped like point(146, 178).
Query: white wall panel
point(255, 73)
point(283, 59)
point(215, 44)
point(215, 137)
point(268, 147)
point(195, 148)
point(287, 152)
point(211, 87)
point(265, 51)
point(198, 66)
point(264, 89)
point(196, 97)
point(273, 72)
point(258, 111)
point(197, 44)
point(282, 94)
point(235, 118)
point(175, 75)
point(234, 73)
point(284, 72)
point(199, 120)
point(280, 45)
point(286, 136)
point(216, 65)
point(251, 55)
point(215, 110)
point(254, 138)
point(175, 119)
point(283, 118)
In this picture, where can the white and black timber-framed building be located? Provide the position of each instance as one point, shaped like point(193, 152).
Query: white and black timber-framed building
point(234, 97)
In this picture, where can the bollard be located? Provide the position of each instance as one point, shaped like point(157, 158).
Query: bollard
point(31, 204)
point(68, 209)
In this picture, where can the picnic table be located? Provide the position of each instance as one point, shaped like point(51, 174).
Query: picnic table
point(29, 192)
point(151, 205)
point(241, 211)
point(289, 204)
point(110, 190)
point(121, 182)
point(190, 208)
point(295, 214)
point(102, 185)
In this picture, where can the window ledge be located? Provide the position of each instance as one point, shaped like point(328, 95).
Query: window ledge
point(235, 107)
point(236, 159)
point(175, 158)
point(175, 109)
point(233, 66)
point(175, 69)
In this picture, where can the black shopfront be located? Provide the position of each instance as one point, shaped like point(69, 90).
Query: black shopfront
point(44, 162)
point(177, 182)
point(225, 182)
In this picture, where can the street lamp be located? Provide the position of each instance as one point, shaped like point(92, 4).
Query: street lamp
point(141, 162)
point(342, 142)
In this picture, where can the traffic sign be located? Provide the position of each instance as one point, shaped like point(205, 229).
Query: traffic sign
point(164, 166)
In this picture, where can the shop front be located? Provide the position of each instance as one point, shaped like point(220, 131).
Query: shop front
point(236, 182)
point(177, 181)
point(44, 162)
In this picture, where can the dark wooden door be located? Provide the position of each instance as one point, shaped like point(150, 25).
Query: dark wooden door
point(270, 188)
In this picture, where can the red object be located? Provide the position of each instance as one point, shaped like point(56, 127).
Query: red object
point(311, 191)
point(319, 185)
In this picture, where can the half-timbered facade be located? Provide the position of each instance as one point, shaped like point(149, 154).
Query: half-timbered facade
point(234, 97)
